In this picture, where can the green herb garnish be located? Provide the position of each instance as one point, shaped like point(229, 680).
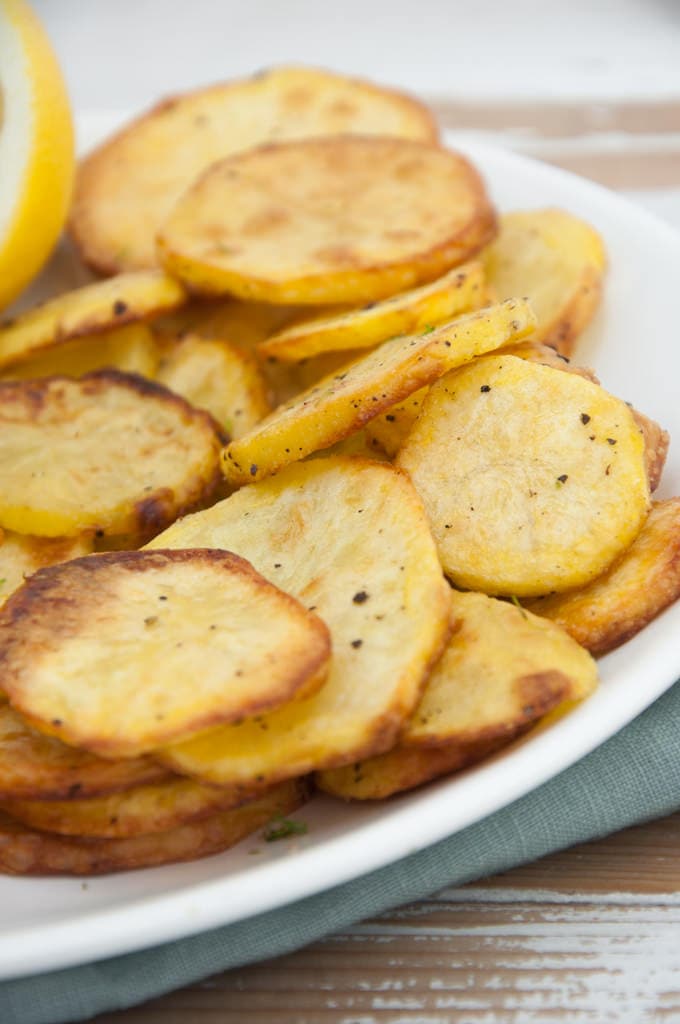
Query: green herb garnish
point(515, 600)
point(283, 828)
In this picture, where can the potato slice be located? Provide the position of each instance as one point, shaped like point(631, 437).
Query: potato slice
point(501, 671)
point(410, 312)
point(555, 259)
point(38, 767)
point(537, 352)
point(126, 188)
point(347, 537)
point(637, 588)
point(219, 377)
point(142, 810)
point(390, 429)
point(343, 219)
point(132, 349)
point(533, 479)
point(24, 851)
point(110, 452)
point(87, 311)
point(20, 556)
point(656, 441)
point(122, 652)
point(342, 403)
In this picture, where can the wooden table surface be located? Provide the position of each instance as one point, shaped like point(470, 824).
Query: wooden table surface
point(589, 934)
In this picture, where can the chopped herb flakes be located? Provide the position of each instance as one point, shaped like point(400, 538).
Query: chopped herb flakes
point(283, 828)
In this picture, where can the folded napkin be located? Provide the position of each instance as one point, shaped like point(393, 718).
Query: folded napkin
point(633, 777)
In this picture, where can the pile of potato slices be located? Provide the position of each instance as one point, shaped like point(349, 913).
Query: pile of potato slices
point(304, 492)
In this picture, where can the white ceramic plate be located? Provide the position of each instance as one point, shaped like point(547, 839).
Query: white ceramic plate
point(52, 923)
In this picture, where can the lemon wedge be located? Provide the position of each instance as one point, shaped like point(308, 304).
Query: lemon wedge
point(37, 159)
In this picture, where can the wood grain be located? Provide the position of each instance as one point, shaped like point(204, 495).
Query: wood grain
point(589, 934)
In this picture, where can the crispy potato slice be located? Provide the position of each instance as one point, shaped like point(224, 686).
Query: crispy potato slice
point(555, 259)
point(533, 479)
point(141, 810)
point(20, 556)
point(126, 188)
point(24, 851)
point(410, 312)
point(656, 441)
point(637, 588)
point(501, 671)
point(219, 377)
point(343, 219)
point(390, 429)
point(38, 767)
point(348, 538)
point(343, 402)
point(87, 311)
point(111, 452)
point(132, 349)
point(88, 648)
point(537, 352)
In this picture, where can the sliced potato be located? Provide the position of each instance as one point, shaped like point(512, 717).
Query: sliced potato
point(533, 479)
point(38, 767)
point(390, 429)
point(656, 441)
point(122, 652)
point(343, 402)
point(20, 556)
point(637, 588)
point(87, 311)
point(349, 539)
point(555, 259)
point(219, 377)
point(142, 810)
point(537, 352)
point(132, 349)
point(410, 312)
point(110, 452)
point(24, 851)
point(501, 671)
point(126, 188)
point(343, 219)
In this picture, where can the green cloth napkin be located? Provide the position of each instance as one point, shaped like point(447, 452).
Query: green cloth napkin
point(633, 777)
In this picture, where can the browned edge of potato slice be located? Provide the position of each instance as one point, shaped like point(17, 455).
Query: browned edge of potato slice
point(555, 259)
point(348, 537)
point(545, 482)
point(25, 851)
point(21, 556)
point(127, 186)
point(501, 672)
point(131, 349)
point(341, 403)
point(113, 453)
point(38, 767)
point(122, 652)
point(643, 581)
point(96, 307)
point(411, 312)
point(349, 221)
point(140, 810)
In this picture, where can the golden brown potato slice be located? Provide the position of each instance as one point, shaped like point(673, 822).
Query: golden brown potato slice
point(24, 851)
point(501, 671)
point(110, 452)
point(87, 311)
point(349, 539)
point(410, 312)
point(21, 556)
point(533, 479)
point(132, 349)
point(656, 441)
point(142, 810)
point(391, 428)
point(219, 377)
point(537, 352)
point(126, 188)
point(343, 402)
point(343, 219)
point(555, 259)
point(122, 652)
point(38, 767)
point(637, 588)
